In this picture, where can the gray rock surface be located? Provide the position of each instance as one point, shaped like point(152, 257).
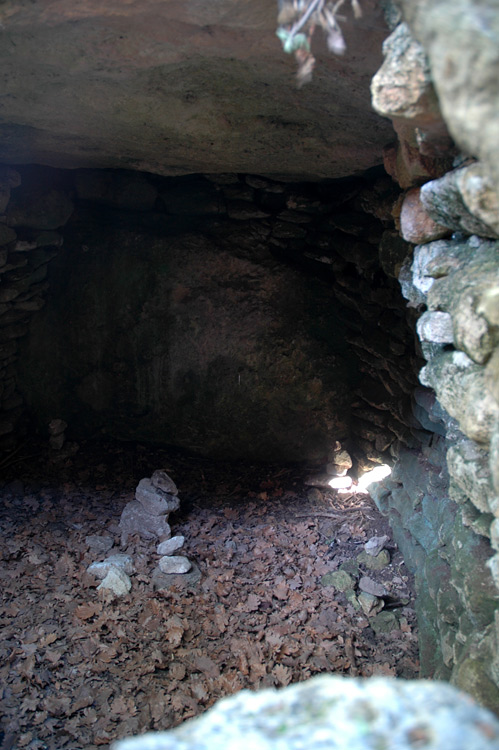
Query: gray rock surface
point(136, 520)
point(154, 500)
point(181, 87)
point(335, 713)
point(169, 546)
point(461, 39)
point(174, 564)
point(117, 581)
point(162, 481)
point(119, 560)
point(444, 201)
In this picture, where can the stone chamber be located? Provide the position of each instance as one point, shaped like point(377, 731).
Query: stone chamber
point(258, 288)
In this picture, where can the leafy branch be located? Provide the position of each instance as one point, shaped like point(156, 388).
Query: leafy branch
point(298, 20)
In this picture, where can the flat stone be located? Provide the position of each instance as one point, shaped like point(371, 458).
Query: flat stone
point(153, 500)
point(372, 587)
point(375, 544)
point(136, 520)
point(339, 579)
point(169, 546)
point(174, 564)
point(121, 561)
point(384, 622)
point(116, 581)
point(436, 327)
point(41, 209)
point(187, 581)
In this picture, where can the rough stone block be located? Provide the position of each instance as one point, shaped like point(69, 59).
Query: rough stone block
point(136, 520)
point(169, 546)
point(444, 201)
point(153, 500)
point(416, 225)
point(330, 711)
point(174, 564)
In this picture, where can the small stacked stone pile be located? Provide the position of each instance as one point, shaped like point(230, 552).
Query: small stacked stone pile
point(147, 515)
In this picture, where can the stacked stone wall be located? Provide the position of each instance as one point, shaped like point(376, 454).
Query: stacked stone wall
point(30, 217)
point(169, 270)
point(442, 499)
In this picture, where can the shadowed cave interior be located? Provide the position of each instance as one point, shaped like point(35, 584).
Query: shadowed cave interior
point(249, 337)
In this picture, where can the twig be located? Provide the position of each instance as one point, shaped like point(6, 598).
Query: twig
point(320, 514)
point(303, 20)
point(350, 652)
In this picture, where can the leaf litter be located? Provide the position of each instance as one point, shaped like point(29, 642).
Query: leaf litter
point(79, 669)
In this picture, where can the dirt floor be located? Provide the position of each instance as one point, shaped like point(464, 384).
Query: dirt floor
point(79, 669)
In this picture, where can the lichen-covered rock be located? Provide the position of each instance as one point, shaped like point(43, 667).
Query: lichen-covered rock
point(461, 40)
point(435, 327)
point(461, 292)
point(479, 195)
point(460, 387)
point(402, 90)
point(469, 469)
point(444, 202)
point(333, 712)
point(339, 579)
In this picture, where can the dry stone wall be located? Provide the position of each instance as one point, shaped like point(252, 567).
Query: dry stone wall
point(232, 315)
point(30, 217)
point(442, 499)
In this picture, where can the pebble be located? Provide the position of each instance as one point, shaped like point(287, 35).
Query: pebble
point(375, 544)
point(169, 546)
point(116, 581)
point(121, 561)
point(372, 587)
point(171, 564)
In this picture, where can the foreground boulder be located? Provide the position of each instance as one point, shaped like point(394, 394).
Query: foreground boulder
point(338, 714)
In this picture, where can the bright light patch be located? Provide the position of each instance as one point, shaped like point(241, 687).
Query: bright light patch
point(340, 483)
point(376, 475)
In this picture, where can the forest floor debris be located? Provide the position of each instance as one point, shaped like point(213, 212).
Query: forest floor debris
point(80, 668)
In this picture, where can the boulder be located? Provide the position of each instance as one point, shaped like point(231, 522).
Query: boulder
point(335, 712)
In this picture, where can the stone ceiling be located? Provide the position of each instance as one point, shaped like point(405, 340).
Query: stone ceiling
point(182, 86)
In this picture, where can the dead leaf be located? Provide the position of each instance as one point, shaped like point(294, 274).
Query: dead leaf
point(89, 610)
point(174, 631)
point(282, 674)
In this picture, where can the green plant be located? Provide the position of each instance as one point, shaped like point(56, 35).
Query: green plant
point(298, 20)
